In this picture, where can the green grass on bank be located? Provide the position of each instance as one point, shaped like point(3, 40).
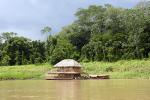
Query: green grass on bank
point(23, 72)
point(132, 69)
point(123, 69)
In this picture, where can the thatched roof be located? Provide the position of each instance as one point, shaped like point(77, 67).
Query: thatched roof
point(68, 63)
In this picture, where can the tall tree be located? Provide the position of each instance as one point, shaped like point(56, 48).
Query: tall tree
point(46, 31)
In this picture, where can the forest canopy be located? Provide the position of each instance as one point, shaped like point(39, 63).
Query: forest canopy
point(99, 33)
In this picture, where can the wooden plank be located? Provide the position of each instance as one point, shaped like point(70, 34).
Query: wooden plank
point(99, 76)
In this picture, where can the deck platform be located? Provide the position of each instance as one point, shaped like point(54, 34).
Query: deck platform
point(99, 76)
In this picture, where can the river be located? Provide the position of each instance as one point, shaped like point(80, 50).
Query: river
point(75, 90)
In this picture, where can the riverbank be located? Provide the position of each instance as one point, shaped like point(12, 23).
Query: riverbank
point(124, 69)
point(132, 69)
point(24, 72)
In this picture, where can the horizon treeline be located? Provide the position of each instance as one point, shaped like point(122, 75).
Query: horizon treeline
point(99, 33)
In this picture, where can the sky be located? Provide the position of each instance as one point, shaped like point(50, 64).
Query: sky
point(28, 17)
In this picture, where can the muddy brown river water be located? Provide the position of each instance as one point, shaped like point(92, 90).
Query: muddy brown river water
point(75, 90)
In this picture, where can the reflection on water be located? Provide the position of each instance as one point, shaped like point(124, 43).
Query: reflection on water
point(75, 90)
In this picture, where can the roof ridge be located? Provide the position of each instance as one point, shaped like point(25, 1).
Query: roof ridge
point(68, 63)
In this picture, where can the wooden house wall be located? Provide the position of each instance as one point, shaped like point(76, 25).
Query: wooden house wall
point(69, 69)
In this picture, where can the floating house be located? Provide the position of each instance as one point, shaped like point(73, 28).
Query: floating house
point(65, 69)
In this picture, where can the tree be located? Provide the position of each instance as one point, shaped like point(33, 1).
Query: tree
point(63, 50)
point(7, 35)
point(38, 52)
point(99, 33)
point(46, 31)
point(50, 47)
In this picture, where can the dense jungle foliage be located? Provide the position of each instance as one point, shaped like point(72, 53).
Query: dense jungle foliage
point(99, 33)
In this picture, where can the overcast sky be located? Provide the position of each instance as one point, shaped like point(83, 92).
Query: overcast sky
point(28, 17)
